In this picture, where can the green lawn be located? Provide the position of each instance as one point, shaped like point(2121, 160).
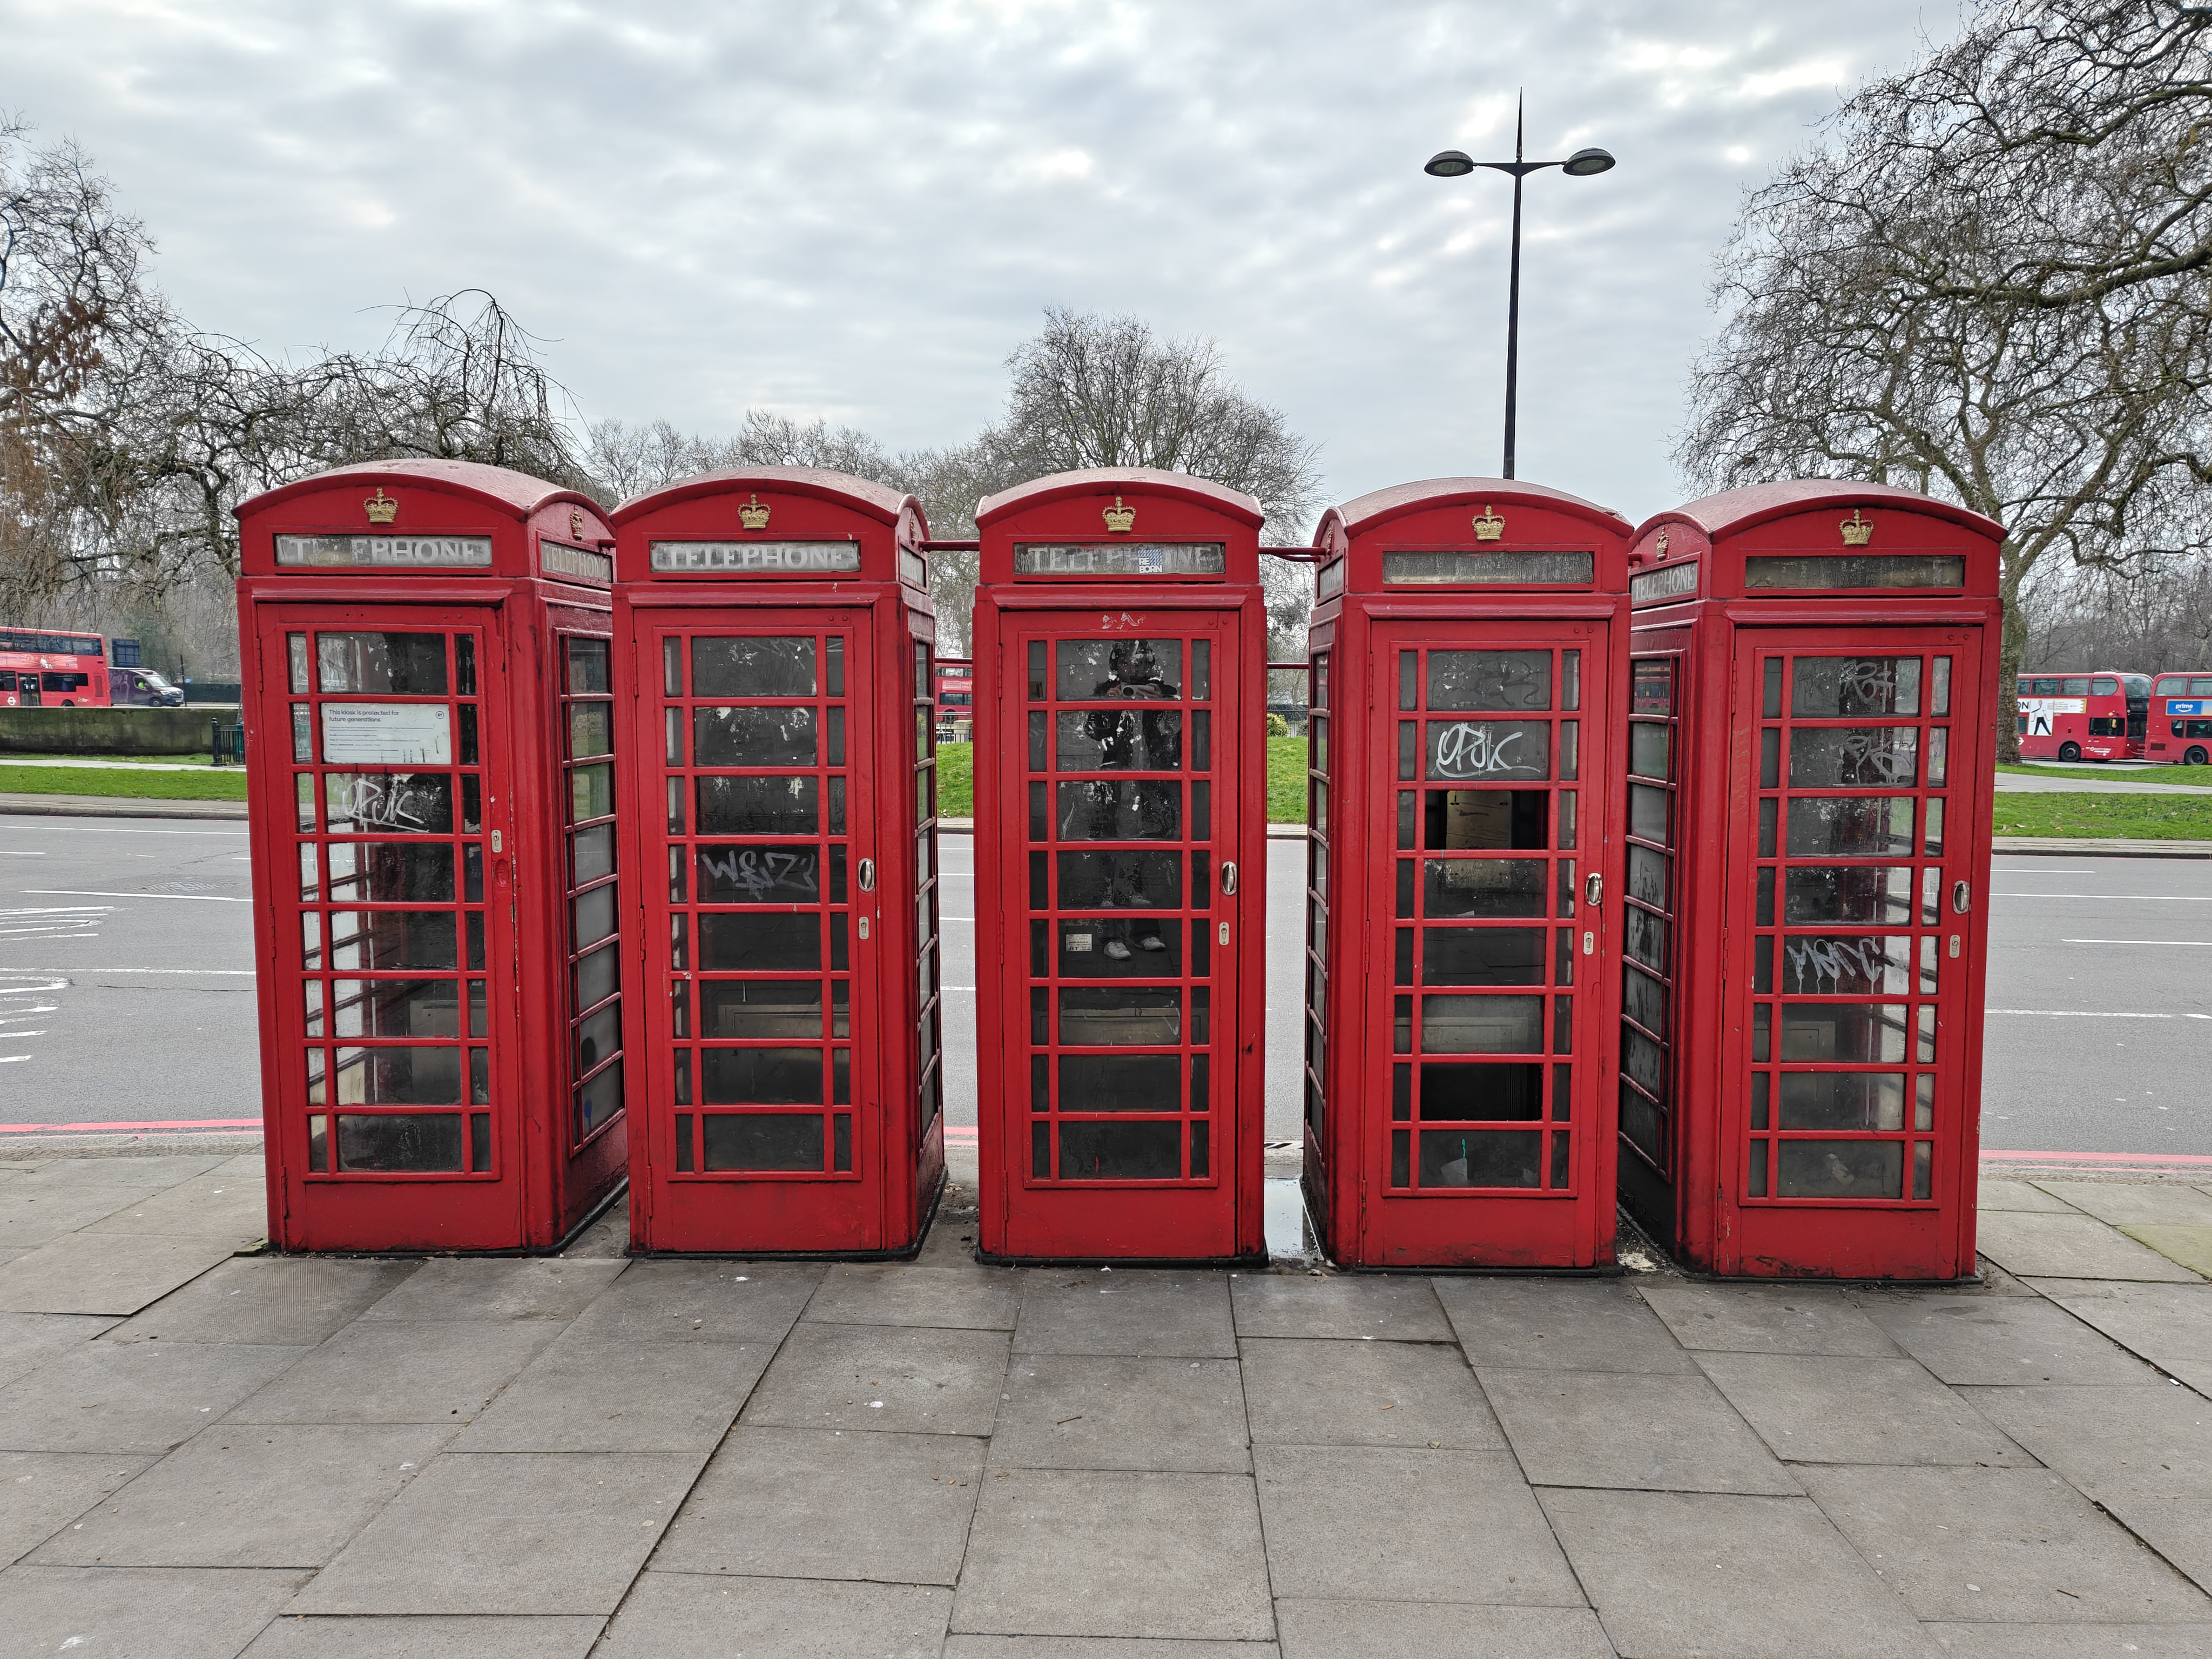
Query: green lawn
point(2199, 775)
point(2104, 817)
point(956, 780)
point(1286, 780)
point(228, 784)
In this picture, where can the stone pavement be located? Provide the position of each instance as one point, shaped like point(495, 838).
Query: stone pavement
point(207, 1454)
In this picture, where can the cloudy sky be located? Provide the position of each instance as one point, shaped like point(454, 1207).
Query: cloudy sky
point(855, 208)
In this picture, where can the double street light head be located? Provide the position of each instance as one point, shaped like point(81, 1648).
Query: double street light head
point(1456, 163)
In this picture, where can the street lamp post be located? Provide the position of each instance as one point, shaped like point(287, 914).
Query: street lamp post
point(1455, 163)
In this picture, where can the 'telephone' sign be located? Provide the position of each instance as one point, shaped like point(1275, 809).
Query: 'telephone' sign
point(386, 552)
point(758, 558)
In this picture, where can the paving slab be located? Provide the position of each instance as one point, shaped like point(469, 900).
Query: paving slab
point(1106, 1552)
point(139, 1613)
point(1383, 1524)
point(390, 1371)
point(161, 1169)
point(1618, 1429)
point(29, 1341)
point(1366, 1394)
point(882, 1377)
point(681, 1615)
point(2190, 1246)
point(818, 1504)
point(965, 1298)
point(494, 1637)
point(132, 1397)
point(504, 1288)
point(1767, 1319)
point(86, 1272)
point(587, 1392)
point(1728, 1577)
point(2073, 1641)
point(2168, 1325)
point(1134, 1311)
point(499, 1532)
point(31, 1216)
point(1522, 1324)
point(250, 1495)
point(2000, 1194)
point(1100, 1647)
point(2135, 1203)
point(1380, 1308)
point(1830, 1408)
point(2154, 1441)
point(2178, 1529)
point(1409, 1630)
point(2070, 1246)
point(214, 1203)
point(2002, 1339)
point(663, 1300)
point(268, 1300)
point(2004, 1544)
point(47, 1490)
point(1121, 1411)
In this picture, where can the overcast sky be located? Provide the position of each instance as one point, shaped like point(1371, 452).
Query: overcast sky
point(857, 211)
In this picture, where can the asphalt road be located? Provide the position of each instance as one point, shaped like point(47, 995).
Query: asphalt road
point(126, 986)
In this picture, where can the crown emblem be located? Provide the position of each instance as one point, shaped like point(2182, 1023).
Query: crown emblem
point(1858, 530)
point(1659, 544)
point(575, 524)
point(1488, 526)
point(752, 515)
point(380, 508)
point(1119, 519)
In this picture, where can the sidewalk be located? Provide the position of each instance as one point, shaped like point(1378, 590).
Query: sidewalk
point(211, 1455)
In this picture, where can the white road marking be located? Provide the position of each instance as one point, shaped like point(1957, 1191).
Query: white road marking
point(87, 829)
point(86, 892)
point(2143, 898)
point(10, 853)
point(2088, 1013)
point(202, 972)
point(9, 1060)
point(2204, 943)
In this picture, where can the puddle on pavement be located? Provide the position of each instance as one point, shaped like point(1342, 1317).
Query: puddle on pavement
point(1290, 1238)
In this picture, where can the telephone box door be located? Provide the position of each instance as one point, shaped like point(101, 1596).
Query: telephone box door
point(1848, 1021)
point(1485, 997)
point(1119, 1025)
point(399, 1125)
point(760, 851)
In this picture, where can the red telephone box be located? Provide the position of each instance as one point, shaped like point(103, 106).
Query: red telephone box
point(424, 658)
point(1468, 655)
point(1121, 836)
point(1811, 757)
point(780, 787)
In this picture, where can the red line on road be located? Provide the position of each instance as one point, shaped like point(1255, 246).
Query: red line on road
point(131, 1129)
point(960, 1134)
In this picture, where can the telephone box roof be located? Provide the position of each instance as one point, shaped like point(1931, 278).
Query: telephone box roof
point(824, 483)
point(1093, 481)
point(1735, 510)
point(516, 493)
point(1364, 512)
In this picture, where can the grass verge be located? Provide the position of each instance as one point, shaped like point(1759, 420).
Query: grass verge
point(2106, 817)
point(2200, 776)
point(228, 784)
point(956, 780)
point(1286, 780)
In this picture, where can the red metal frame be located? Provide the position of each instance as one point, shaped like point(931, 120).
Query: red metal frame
point(438, 888)
point(1516, 984)
point(781, 812)
point(1802, 1064)
point(1158, 668)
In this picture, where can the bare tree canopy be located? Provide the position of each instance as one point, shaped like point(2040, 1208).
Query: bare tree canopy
point(1980, 284)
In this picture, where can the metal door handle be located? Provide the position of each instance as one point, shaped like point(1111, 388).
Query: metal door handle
point(1594, 888)
point(1962, 895)
point(1228, 878)
point(867, 875)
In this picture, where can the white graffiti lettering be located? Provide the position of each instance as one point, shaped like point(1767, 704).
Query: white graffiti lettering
point(1466, 749)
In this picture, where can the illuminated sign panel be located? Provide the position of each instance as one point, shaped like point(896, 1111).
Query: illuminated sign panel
point(1121, 559)
point(758, 558)
point(386, 552)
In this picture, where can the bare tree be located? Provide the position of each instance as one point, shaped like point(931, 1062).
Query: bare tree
point(1981, 284)
point(627, 460)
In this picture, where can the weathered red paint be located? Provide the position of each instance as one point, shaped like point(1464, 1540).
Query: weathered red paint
point(733, 1094)
point(1379, 1100)
point(1169, 1169)
point(1697, 1141)
point(379, 895)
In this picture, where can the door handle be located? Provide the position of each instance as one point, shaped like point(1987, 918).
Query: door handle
point(867, 875)
point(1228, 878)
point(1962, 895)
point(1594, 888)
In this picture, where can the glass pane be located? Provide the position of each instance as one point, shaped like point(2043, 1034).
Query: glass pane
point(1507, 1093)
point(405, 803)
point(599, 1037)
point(390, 872)
point(1939, 693)
point(1117, 881)
point(766, 1077)
point(753, 736)
point(395, 1008)
point(1120, 740)
point(1826, 965)
point(1843, 1100)
point(736, 942)
point(1850, 826)
point(597, 975)
point(1120, 1082)
point(1482, 1026)
point(1830, 757)
point(1105, 1015)
point(295, 652)
point(1647, 876)
point(587, 667)
point(1483, 887)
point(1847, 688)
point(421, 1143)
point(1105, 810)
point(1485, 820)
point(392, 938)
point(1867, 893)
point(599, 1099)
point(759, 806)
point(1650, 749)
point(1482, 956)
point(303, 733)
point(1150, 669)
point(1841, 1169)
point(760, 1009)
point(399, 665)
point(759, 875)
point(1643, 998)
point(592, 914)
point(593, 854)
point(590, 792)
point(591, 729)
point(1110, 947)
point(753, 666)
point(1644, 937)
point(1847, 1033)
point(1120, 1152)
point(1498, 1157)
point(761, 1140)
point(1488, 749)
point(399, 1077)
point(1490, 679)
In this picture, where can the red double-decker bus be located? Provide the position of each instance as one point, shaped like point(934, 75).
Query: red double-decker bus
point(54, 670)
point(2181, 720)
point(2101, 715)
point(956, 699)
